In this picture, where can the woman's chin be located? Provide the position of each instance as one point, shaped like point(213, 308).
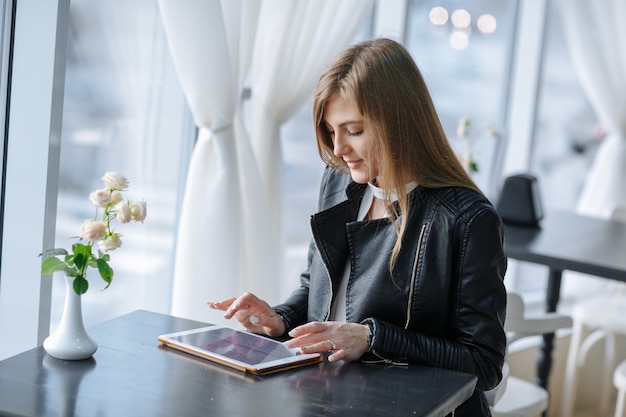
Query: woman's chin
point(359, 178)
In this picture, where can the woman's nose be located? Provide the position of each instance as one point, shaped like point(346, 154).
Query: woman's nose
point(340, 147)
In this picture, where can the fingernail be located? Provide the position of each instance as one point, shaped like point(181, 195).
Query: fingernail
point(293, 333)
point(254, 319)
point(287, 344)
point(235, 304)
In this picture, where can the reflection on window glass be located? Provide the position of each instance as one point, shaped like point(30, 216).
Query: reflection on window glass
point(463, 50)
point(123, 111)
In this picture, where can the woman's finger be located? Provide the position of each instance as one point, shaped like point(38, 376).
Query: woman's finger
point(308, 328)
point(265, 322)
point(252, 313)
point(319, 347)
point(222, 305)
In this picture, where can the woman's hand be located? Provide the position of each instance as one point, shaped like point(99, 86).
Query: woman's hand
point(346, 341)
point(253, 313)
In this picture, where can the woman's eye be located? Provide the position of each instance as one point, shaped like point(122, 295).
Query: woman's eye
point(355, 133)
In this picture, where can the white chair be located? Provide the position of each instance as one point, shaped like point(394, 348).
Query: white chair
point(619, 380)
point(515, 397)
point(599, 318)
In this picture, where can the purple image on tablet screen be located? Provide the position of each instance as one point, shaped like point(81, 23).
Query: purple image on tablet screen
point(240, 346)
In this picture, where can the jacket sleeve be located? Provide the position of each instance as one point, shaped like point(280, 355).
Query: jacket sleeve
point(479, 342)
point(294, 310)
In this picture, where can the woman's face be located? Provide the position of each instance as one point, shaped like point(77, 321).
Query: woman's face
point(351, 140)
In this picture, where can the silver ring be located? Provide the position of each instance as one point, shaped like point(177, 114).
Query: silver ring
point(333, 346)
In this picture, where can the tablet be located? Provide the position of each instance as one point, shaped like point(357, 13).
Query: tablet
point(238, 349)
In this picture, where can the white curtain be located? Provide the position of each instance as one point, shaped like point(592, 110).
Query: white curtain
point(295, 42)
point(230, 238)
point(596, 37)
point(211, 42)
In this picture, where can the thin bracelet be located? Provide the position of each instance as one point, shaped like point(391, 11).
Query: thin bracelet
point(284, 319)
point(370, 336)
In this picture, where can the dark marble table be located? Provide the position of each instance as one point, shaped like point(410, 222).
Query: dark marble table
point(132, 374)
point(568, 241)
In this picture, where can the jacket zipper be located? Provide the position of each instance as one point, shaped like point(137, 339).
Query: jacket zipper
point(413, 277)
point(330, 283)
point(408, 311)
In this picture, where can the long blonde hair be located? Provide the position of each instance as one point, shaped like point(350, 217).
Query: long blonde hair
point(380, 77)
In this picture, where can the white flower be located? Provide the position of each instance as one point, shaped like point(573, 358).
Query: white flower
point(461, 129)
point(110, 205)
point(123, 213)
point(115, 181)
point(93, 230)
point(110, 243)
point(100, 198)
point(116, 197)
point(138, 211)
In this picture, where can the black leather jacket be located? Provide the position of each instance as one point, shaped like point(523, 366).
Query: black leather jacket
point(444, 305)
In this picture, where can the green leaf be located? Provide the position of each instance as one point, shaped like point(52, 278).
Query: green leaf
point(52, 265)
point(80, 260)
point(80, 285)
point(53, 252)
point(106, 272)
point(79, 248)
point(92, 262)
point(473, 166)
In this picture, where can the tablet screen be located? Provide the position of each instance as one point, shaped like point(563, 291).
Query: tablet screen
point(239, 349)
point(237, 345)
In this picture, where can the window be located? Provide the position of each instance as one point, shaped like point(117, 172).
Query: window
point(123, 111)
point(464, 54)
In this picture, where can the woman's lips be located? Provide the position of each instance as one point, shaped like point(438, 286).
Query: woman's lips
point(354, 164)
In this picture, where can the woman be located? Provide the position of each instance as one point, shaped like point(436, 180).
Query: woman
point(406, 264)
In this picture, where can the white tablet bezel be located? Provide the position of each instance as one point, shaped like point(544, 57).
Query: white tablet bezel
point(298, 359)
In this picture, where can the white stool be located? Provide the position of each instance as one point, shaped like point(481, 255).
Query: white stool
point(619, 380)
point(594, 319)
point(515, 397)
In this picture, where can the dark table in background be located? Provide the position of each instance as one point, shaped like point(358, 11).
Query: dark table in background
point(568, 241)
point(131, 374)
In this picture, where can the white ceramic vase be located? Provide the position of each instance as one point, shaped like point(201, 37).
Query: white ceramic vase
point(70, 340)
